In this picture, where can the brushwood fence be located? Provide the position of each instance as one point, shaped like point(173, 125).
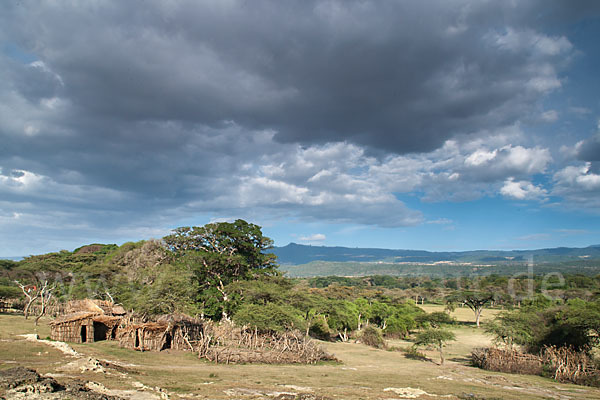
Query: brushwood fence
point(560, 363)
point(230, 344)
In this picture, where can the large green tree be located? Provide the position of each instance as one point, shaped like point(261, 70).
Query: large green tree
point(219, 254)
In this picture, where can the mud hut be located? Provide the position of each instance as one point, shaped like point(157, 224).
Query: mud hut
point(84, 327)
point(176, 332)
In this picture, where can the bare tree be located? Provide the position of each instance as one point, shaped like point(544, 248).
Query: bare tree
point(32, 293)
point(45, 295)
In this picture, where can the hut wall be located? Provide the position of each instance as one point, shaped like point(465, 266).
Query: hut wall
point(73, 331)
point(162, 335)
point(185, 334)
point(145, 337)
point(154, 339)
point(128, 338)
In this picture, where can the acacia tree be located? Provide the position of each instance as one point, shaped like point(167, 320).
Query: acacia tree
point(476, 301)
point(219, 254)
point(435, 337)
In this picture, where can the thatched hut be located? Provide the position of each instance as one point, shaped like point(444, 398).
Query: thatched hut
point(176, 332)
point(84, 327)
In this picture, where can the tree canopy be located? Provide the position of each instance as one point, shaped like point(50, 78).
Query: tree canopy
point(219, 254)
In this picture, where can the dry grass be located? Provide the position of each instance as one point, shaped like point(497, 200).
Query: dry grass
point(464, 314)
point(365, 372)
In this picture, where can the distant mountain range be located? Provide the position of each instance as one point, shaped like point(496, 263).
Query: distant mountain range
point(297, 254)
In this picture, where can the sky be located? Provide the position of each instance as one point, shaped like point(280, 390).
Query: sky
point(437, 125)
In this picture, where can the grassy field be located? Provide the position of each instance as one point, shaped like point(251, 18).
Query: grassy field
point(363, 373)
point(464, 315)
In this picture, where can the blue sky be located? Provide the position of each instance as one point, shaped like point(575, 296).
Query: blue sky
point(439, 125)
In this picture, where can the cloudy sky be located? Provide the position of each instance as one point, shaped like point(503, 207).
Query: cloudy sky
point(439, 125)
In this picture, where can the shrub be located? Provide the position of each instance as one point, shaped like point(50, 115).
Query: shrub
point(373, 337)
point(320, 329)
point(269, 317)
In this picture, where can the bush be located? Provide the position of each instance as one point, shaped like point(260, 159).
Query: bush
point(575, 324)
point(399, 325)
point(402, 320)
point(10, 292)
point(319, 329)
point(269, 317)
point(373, 337)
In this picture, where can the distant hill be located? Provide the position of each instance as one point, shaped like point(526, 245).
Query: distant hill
point(297, 254)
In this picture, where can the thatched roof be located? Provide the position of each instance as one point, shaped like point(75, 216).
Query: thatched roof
point(107, 320)
point(175, 318)
point(148, 327)
point(78, 316)
point(88, 305)
point(118, 310)
point(83, 315)
point(95, 306)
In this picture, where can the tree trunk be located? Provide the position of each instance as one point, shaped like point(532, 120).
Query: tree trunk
point(344, 336)
point(477, 315)
point(26, 310)
point(45, 296)
point(42, 312)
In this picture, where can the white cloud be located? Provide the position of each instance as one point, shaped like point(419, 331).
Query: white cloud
point(522, 190)
point(578, 186)
point(549, 116)
point(578, 178)
point(524, 40)
point(317, 237)
point(480, 157)
point(460, 171)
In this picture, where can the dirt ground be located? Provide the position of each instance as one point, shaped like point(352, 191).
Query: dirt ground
point(364, 373)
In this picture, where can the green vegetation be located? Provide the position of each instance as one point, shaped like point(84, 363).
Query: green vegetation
point(542, 322)
point(226, 271)
point(435, 337)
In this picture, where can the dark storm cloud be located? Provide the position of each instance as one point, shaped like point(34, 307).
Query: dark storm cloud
point(589, 149)
point(397, 76)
